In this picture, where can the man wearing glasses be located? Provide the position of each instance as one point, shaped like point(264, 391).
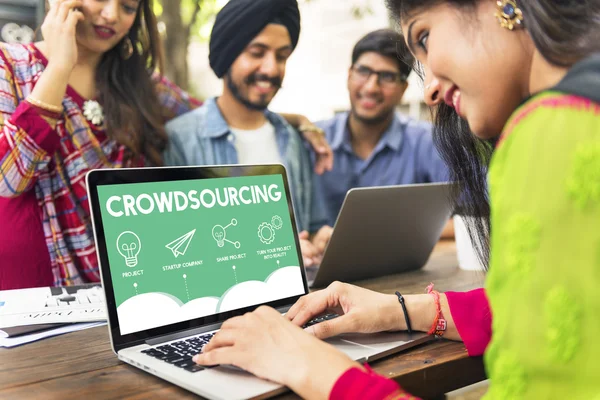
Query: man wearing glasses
point(373, 144)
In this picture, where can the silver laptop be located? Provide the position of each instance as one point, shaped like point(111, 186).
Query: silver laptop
point(384, 230)
point(183, 249)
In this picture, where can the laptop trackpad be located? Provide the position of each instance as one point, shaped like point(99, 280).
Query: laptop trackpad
point(352, 350)
point(365, 346)
point(380, 341)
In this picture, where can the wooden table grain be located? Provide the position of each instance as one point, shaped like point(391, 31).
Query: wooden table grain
point(82, 365)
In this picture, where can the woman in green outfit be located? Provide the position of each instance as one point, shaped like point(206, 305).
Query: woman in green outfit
point(517, 82)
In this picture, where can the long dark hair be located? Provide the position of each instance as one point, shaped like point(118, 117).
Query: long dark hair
point(564, 32)
point(133, 115)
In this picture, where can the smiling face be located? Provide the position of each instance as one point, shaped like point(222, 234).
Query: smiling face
point(482, 71)
point(106, 23)
point(375, 87)
point(256, 75)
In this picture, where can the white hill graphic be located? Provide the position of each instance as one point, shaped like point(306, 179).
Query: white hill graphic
point(151, 310)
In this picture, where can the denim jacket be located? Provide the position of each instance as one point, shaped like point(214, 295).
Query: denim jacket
point(202, 137)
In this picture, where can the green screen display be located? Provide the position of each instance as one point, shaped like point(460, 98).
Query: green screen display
point(181, 250)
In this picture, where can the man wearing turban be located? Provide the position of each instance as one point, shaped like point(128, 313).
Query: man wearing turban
point(250, 44)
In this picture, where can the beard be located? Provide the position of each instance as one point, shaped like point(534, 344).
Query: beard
point(374, 120)
point(236, 90)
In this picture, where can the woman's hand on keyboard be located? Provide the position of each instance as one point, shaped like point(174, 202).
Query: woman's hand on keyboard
point(269, 346)
point(360, 311)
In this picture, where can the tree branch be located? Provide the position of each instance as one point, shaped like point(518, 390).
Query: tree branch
point(197, 8)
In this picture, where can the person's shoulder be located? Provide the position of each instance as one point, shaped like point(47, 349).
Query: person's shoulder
point(181, 128)
point(195, 116)
point(15, 53)
point(416, 132)
point(331, 123)
point(276, 118)
point(296, 144)
point(413, 126)
point(554, 112)
point(330, 126)
point(557, 129)
point(279, 122)
point(162, 84)
point(17, 50)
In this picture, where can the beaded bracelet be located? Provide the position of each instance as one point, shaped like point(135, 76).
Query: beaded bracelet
point(438, 328)
point(44, 106)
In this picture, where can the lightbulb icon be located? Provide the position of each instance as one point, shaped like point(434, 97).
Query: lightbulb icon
point(129, 246)
point(218, 233)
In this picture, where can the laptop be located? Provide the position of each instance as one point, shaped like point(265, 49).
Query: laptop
point(183, 249)
point(384, 230)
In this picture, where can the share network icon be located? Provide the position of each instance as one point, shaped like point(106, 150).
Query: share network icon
point(180, 245)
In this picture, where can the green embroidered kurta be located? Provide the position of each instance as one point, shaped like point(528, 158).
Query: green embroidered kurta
point(544, 280)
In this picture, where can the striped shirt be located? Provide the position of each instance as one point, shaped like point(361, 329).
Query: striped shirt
point(43, 163)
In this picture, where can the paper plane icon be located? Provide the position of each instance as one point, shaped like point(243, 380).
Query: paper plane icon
point(180, 245)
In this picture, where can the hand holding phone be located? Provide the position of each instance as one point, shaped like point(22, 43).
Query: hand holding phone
point(59, 32)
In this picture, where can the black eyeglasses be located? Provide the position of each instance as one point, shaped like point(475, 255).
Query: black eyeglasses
point(361, 74)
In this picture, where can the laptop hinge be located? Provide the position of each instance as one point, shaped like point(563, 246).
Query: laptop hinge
point(178, 335)
point(196, 331)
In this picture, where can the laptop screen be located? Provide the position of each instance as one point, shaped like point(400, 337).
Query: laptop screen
point(186, 249)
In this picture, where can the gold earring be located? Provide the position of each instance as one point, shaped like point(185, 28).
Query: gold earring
point(126, 48)
point(509, 14)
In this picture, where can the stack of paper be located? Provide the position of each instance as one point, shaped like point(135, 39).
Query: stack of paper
point(18, 340)
point(49, 311)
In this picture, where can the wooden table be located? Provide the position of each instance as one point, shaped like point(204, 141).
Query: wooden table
point(82, 365)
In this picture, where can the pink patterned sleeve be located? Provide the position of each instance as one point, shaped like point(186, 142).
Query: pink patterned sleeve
point(27, 138)
point(473, 319)
point(172, 98)
point(356, 384)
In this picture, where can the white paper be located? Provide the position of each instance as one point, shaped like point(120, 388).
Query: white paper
point(24, 339)
point(52, 305)
point(22, 330)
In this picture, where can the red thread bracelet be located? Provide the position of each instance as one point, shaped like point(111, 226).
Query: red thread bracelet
point(438, 328)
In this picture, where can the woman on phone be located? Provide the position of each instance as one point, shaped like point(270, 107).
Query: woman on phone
point(90, 95)
point(524, 78)
point(86, 97)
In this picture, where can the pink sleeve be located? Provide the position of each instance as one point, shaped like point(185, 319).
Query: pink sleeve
point(174, 100)
point(356, 384)
point(27, 139)
point(27, 142)
point(473, 319)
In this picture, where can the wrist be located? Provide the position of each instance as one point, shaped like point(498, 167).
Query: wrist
point(393, 316)
point(318, 380)
point(60, 71)
point(421, 310)
point(310, 127)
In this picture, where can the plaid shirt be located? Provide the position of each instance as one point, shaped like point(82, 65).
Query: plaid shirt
point(52, 157)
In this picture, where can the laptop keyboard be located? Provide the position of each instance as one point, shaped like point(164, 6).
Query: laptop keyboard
point(180, 353)
point(320, 319)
